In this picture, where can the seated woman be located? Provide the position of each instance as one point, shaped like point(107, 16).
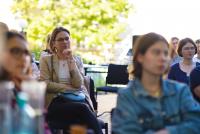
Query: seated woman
point(150, 104)
point(181, 71)
point(62, 72)
point(16, 63)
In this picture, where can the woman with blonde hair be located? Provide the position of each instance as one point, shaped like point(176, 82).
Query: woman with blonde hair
point(175, 58)
point(63, 72)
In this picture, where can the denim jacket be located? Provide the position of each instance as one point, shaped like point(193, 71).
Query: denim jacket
point(139, 113)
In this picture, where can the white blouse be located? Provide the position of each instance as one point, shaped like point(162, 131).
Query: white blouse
point(63, 73)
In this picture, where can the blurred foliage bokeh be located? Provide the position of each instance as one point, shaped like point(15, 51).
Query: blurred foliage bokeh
point(94, 24)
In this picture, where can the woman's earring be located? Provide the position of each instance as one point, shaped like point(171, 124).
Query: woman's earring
point(55, 49)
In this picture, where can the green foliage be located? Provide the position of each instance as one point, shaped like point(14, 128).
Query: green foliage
point(92, 23)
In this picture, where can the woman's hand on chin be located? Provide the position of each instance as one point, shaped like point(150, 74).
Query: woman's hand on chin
point(68, 53)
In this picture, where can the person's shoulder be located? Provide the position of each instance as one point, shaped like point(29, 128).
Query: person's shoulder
point(197, 64)
point(174, 85)
point(176, 65)
point(195, 71)
point(77, 59)
point(127, 89)
point(45, 58)
point(174, 68)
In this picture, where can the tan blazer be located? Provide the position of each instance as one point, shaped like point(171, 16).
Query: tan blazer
point(54, 87)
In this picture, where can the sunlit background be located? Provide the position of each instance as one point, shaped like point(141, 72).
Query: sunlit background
point(167, 17)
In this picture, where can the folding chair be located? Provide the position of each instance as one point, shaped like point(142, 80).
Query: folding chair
point(118, 75)
point(103, 124)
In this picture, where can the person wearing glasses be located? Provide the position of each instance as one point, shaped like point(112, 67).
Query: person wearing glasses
point(62, 71)
point(151, 104)
point(175, 58)
point(181, 71)
point(197, 56)
point(16, 64)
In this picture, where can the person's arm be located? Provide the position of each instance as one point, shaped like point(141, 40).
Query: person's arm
point(45, 75)
point(79, 64)
point(86, 79)
point(190, 113)
point(124, 119)
point(76, 77)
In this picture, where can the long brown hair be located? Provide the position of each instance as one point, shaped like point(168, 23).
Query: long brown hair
point(141, 47)
point(54, 34)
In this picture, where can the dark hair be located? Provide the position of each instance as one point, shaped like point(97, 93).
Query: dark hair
point(182, 43)
point(174, 38)
point(197, 41)
point(54, 34)
point(141, 47)
point(12, 34)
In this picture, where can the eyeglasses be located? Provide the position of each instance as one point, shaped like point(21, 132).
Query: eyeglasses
point(18, 52)
point(174, 43)
point(62, 39)
point(189, 48)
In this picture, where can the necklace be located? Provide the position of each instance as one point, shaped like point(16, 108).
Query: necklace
point(187, 68)
point(63, 63)
point(156, 93)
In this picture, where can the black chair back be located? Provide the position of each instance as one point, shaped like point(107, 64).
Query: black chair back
point(117, 74)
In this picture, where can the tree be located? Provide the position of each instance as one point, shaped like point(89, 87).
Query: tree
point(92, 23)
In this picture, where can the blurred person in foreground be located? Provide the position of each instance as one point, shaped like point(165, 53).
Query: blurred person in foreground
point(150, 104)
point(16, 64)
point(3, 29)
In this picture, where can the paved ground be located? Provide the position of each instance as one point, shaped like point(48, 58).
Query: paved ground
point(105, 103)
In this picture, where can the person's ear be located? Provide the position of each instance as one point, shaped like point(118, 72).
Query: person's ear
point(55, 50)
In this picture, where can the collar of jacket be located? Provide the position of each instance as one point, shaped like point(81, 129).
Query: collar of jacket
point(139, 90)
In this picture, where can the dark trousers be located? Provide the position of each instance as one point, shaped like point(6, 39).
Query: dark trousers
point(63, 114)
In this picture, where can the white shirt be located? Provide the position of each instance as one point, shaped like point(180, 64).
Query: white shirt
point(63, 72)
point(35, 71)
